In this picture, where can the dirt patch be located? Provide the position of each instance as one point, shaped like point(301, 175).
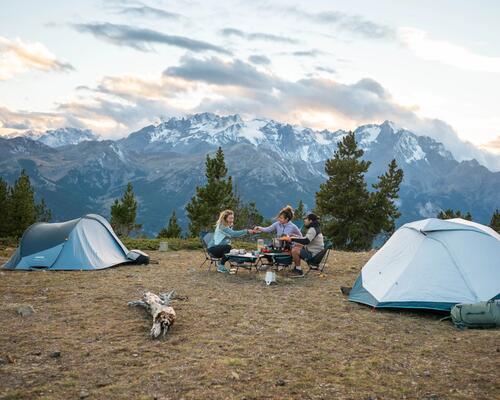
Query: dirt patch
point(234, 337)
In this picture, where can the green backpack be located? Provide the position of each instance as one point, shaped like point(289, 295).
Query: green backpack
point(485, 314)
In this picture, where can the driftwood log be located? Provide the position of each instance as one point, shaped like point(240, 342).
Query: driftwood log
point(159, 307)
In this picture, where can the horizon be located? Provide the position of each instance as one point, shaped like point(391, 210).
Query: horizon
point(125, 65)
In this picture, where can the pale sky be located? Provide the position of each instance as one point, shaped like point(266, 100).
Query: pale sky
point(116, 66)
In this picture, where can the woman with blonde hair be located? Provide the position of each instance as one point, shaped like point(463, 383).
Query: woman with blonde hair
point(220, 244)
point(283, 225)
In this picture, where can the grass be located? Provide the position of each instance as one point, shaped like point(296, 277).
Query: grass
point(235, 337)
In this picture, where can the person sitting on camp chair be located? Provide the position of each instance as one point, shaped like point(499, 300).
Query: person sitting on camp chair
point(283, 225)
point(308, 246)
point(220, 244)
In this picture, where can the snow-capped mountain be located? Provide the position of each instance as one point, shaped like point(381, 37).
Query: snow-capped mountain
point(272, 163)
point(60, 137)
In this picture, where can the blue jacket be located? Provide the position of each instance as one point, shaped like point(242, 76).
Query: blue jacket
point(224, 234)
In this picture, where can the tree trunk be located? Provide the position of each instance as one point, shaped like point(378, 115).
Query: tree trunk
point(159, 307)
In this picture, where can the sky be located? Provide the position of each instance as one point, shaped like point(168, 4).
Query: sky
point(116, 66)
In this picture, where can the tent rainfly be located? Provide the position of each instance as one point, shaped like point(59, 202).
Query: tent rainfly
point(85, 243)
point(432, 264)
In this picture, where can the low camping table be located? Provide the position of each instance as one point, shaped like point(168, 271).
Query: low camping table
point(277, 259)
point(247, 260)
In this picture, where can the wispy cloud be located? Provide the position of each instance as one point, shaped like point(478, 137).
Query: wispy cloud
point(149, 12)
point(307, 53)
point(352, 23)
point(446, 52)
point(259, 59)
point(17, 57)
point(142, 39)
point(268, 37)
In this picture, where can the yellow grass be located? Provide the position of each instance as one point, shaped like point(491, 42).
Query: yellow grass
point(235, 337)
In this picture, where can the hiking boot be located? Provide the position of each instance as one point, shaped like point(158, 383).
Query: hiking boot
point(222, 269)
point(296, 273)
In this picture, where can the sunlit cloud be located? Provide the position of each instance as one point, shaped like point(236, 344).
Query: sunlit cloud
point(445, 52)
point(17, 57)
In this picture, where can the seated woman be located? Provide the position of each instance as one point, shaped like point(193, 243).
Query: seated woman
point(283, 226)
point(307, 247)
point(221, 242)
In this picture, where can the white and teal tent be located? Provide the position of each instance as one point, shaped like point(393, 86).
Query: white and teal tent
point(432, 264)
point(85, 243)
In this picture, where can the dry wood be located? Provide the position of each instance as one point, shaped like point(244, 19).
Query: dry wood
point(159, 307)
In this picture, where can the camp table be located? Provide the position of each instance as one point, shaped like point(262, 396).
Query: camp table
point(278, 258)
point(246, 260)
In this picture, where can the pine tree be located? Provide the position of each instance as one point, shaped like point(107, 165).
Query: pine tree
point(247, 216)
point(495, 221)
point(124, 212)
point(351, 215)
point(450, 213)
point(300, 211)
point(173, 230)
point(4, 202)
point(21, 209)
point(43, 214)
point(382, 207)
point(217, 195)
point(342, 200)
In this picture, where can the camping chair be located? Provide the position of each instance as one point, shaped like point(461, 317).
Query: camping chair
point(318, 262)
point(205, 238)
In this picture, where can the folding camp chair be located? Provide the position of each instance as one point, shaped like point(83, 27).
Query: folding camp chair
point(318, 262)
point(205, 238)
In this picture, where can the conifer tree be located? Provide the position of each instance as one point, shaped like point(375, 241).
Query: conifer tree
point(450, 213)
point(173, 230)
point(350, 215)
point(124, 212)
point(4, 201)
point(21, 209)
point(342, 200)
point(209, 200)
point(300, 211)
point(43, 214)
point(382, 207)
point(247, 216)
point(495, 221)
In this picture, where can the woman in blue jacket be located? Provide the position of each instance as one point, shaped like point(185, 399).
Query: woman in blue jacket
point(221, 242)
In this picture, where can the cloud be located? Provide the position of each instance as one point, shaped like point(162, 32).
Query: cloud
point(218, 72)
point(17, 57)
point(147, 11)
point(268, 37)
point(352, 23)
point(326, 69)
point(307, 53)
point(142, 39)
point(259, 59)
point(448, 53)
point(493, 145)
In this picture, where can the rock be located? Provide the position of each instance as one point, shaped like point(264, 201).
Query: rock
point(37, 353)
point(25, 310)
point(235, 375)
point(84, 394)
point(280, 382)
point(10, 359)
point(3, 361)
point(55, 354)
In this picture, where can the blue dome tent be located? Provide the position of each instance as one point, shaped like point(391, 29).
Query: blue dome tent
point(432, 264)
point(85, 243)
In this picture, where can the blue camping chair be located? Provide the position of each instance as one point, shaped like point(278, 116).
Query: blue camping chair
point(205, 238)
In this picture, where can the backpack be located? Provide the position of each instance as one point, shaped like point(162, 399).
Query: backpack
point(485, 314)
